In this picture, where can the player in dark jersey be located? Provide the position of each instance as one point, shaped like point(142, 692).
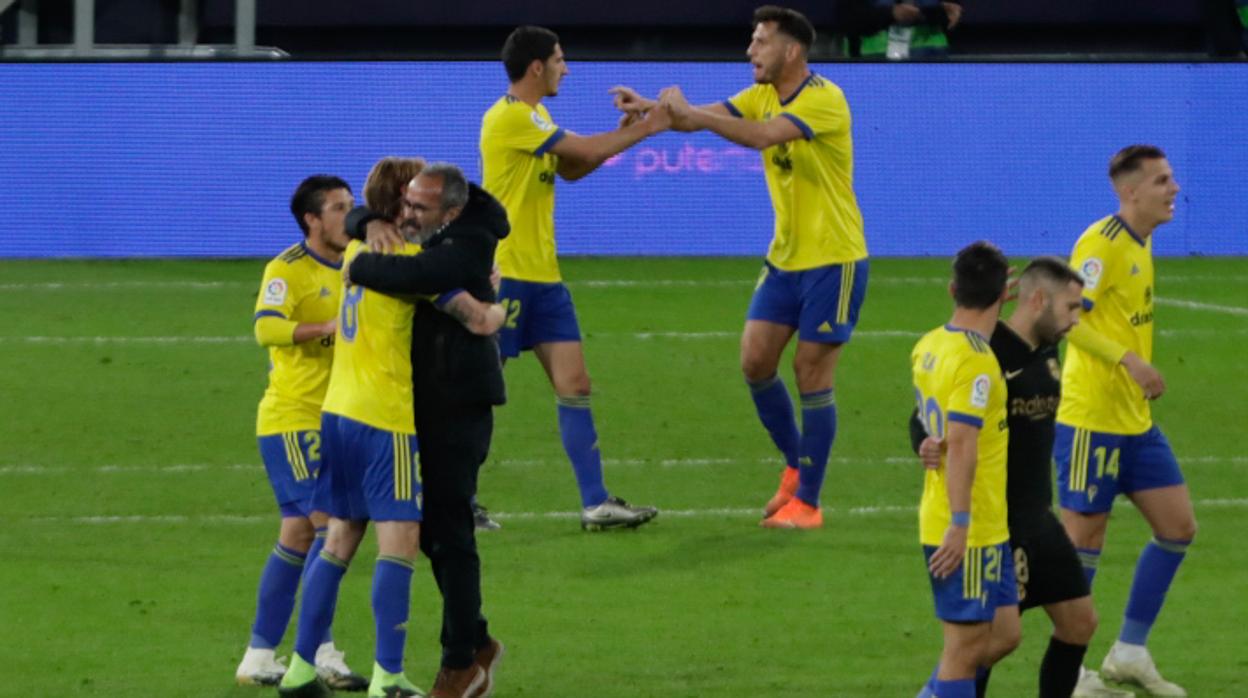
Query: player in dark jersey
point(1047, 567)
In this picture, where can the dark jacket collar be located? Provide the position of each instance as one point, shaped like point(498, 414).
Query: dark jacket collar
point(482, 213)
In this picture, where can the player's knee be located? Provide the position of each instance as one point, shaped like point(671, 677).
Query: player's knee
point(812, 376)
point(1083, 627)
point(756, 367)
point(297, 534)
point(1187, 531)
point(1004, 641)
point(577, 385)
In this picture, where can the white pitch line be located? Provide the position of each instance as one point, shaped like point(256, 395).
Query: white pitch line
point(668, 463)
point(122, 285)
point(642, 336)
point(1211, 307)
point(587, 283)
point(713, 512)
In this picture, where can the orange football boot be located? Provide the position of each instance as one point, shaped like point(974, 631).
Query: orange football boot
point(795, 514)
point(788, 487)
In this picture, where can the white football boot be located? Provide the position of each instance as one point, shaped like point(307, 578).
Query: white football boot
point(1133, 664)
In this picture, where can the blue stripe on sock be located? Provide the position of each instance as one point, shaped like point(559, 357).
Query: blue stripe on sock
point(818, 433)
point(275, 600)
point(1090, 558)
point(775, 411)
point(1154, 572)
point(392, 588)
point(580, 442)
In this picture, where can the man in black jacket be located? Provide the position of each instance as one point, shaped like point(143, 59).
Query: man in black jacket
point(457, 379)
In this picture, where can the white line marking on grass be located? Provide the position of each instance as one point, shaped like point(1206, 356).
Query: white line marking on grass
point(1212, 307)
point(708, 513)
point(641, 336)
point(836, 461)
point(878, 280)
point(121, 285)
point(108, 339)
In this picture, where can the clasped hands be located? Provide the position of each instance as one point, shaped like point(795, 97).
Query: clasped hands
point(671, 100)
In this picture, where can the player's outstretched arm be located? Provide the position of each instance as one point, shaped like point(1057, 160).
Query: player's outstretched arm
point(963, 454)
point(758, 135)
point(580, 155)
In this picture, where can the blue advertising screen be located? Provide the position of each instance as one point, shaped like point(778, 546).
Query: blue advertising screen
point(200, 159)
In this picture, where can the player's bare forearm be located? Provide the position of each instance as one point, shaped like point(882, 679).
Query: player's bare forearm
point(581, 155)
point(476, 316)
point(758, 135)
point(961, 457)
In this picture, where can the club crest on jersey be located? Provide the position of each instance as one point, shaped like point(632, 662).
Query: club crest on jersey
point(275, 292)
point(980, 389)
point(1055, 369)
point(1092, 269)
point(542, 123)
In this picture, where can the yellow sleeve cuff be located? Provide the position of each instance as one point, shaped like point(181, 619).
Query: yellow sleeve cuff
point(272, 331)
point(1096, 344)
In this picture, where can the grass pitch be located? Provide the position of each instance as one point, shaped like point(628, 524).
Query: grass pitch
point(136, 515)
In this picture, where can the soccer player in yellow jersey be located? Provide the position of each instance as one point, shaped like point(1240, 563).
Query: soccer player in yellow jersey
point(295, 320)
point(522, 152)
point(370, 447)
point(1107, 442)
point(815, 277)
point(961, 398)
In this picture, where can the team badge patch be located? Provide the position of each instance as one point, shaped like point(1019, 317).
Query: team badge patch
point(1092, 269)
point(275, 292)
point(980, 389)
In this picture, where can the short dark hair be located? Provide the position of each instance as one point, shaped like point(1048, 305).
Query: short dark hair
point(980, 272)
point(454, 185)
point(309, 197)
point(789, 22)
point(1130, 158)
point(525, 45)
point(1051, 269)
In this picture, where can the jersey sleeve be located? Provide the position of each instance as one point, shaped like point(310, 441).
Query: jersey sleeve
point(818, 111)
point(1092, 259)
point(522, 129)
point(972, 389)
point(744, 104)
point(280, 291)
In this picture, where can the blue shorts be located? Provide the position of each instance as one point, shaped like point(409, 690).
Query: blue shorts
point(983, 583)
point(822, 303)
point(292, 460)
point(369, 473)
point(537, 313)
point(1094, 466)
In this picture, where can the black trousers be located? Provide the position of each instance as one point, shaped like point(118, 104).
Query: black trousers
point(453, 445)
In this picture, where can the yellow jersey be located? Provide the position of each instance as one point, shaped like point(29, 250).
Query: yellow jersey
point(298, 286)
point(371, 381)
point(957, 379)
point(518, 168)
point(811, 179)
point(1117, 268)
